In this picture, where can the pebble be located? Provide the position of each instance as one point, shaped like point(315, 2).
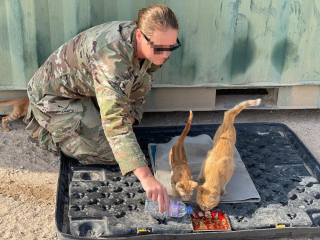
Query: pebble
point(21, 167)
point(20, 232)
point(54, 235)
point(54, 162)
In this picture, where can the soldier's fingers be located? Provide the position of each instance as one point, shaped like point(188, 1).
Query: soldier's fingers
point(149, 194)
point(166, 200)
point(160, 202)
point(154, 196)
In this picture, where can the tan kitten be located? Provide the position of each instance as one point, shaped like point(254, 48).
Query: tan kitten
point(180, 173)
point(218, 167)
point(20, 108)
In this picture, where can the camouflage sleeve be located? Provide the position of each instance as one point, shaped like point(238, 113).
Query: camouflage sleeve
point(137, 110)
point(113, 79)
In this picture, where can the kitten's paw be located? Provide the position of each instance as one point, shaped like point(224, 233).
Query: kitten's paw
point(201, 180)
point(6, 130)
point(223, 192)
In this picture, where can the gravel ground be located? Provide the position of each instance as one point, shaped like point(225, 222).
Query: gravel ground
point(28, 175)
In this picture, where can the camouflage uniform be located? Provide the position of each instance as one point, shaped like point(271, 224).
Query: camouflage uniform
point(98, 67)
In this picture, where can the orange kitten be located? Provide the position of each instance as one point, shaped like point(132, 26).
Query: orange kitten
point(20, 108)
point(180, 173)
point(218, 167)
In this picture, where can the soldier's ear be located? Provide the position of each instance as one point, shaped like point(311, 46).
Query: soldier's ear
point(138, 34)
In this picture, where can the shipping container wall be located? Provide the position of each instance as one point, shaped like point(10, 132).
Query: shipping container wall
point(225, 43)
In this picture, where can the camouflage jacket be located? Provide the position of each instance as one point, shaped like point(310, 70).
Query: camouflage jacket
point(100, 62)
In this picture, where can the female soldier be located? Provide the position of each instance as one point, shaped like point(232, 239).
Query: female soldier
point(110, 67)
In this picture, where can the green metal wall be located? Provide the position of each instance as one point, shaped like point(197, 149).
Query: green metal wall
point(224, 42)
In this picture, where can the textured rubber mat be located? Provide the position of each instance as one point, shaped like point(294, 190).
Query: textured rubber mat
point(97, 201)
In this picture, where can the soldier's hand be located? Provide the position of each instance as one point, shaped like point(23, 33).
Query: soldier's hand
point(155, 190)
point(132, 120)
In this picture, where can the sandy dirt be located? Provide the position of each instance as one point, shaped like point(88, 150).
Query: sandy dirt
point(28, 174)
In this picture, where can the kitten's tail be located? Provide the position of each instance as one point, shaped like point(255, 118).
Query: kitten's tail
point(232, 113)
point(186, 129)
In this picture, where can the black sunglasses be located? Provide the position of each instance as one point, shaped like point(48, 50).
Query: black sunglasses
point(157, 48)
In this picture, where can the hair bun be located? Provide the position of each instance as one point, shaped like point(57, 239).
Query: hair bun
point(156, 17)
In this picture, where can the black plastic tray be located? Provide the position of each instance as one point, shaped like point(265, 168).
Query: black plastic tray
point(98, 202)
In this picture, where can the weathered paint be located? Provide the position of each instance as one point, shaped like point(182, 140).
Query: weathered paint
point(225, 43)
point(181, 99)
point(284, 98)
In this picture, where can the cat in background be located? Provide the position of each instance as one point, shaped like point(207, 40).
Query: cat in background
point(20, 108)
point(180, 172)
point(218, 167)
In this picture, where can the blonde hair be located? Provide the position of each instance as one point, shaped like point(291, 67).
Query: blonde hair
point(156, 17)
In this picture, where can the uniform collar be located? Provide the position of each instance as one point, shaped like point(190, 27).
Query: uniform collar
point(135, 60)
point(128, 35)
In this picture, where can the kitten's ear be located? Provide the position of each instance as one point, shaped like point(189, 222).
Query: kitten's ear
point(193, 184)
point(199, 188)
point(179, 185)
point(213, 195)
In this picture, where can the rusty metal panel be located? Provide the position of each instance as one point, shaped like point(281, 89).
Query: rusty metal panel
point(225, 43)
